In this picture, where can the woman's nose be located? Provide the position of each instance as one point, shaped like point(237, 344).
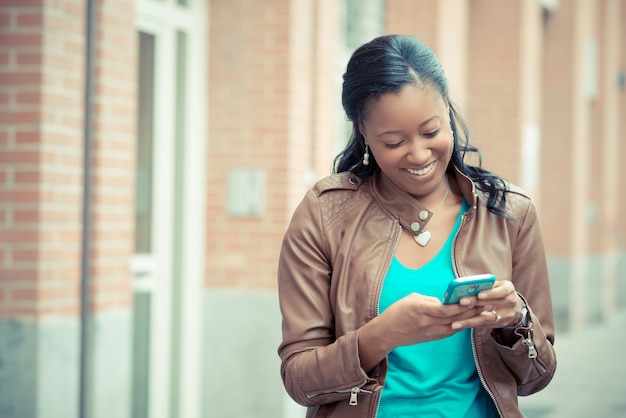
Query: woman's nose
point(418, 152)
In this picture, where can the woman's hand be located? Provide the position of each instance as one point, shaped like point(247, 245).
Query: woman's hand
point(501, 307)
point(413, 319)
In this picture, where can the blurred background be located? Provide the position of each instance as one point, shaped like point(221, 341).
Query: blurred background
point(152, 153)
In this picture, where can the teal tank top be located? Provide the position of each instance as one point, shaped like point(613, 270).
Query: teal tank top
point(435, 378)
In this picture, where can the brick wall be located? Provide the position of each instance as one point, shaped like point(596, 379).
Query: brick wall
point(414, 18)
point(430, 21)
point(271, 88)
point(114, 154)
point(490, 53)
point(42, 79)
point(248, 128)
point(494, 104)
point(557, 127)
point(41, 84)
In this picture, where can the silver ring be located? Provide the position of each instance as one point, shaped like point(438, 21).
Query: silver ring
point(498, 317)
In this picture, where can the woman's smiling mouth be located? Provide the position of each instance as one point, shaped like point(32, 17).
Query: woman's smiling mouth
point(423, 171)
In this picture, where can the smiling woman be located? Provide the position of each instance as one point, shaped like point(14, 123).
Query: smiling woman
point(361, 278)
point(410, 137)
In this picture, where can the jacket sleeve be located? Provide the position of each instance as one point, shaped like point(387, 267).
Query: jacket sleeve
point(316, 366)
point(531, 357)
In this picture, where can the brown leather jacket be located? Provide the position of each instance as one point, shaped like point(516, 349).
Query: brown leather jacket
point(334, 258)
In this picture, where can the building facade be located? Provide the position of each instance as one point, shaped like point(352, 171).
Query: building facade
point(152, 153)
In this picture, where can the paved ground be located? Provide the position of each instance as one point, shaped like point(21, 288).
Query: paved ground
point(590, 379)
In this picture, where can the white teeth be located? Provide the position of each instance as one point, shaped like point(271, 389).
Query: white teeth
point(423, 171)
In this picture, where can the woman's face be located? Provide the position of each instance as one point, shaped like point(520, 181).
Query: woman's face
point(410, 137)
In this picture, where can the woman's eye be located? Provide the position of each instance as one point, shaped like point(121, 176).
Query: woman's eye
point(394, 145)
point(432, 134)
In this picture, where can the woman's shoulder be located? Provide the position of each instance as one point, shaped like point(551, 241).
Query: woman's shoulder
point(517, 197)
point(518, 202)
point(337, 182)
point(338, 194)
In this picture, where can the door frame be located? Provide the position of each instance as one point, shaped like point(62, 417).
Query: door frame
point(164, 19)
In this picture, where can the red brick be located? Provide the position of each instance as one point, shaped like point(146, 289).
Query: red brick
point(18, 235)
point(19, 196)
point(19, 157)
point(33, 78)
point(4, 139)
point(26, 216)
point(17, 274)
point(4, 60)
point(5, 19)
point(22, 3)
point(25, 294)
point(22, 98)
point(25, 255)
point(24, 19)
point(25, 137)
point(10, 311)
point(19, 40)
point(28, 58)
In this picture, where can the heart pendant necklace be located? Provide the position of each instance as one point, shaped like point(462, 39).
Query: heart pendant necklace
point(423, 237)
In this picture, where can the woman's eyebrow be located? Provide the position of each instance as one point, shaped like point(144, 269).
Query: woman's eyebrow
point(427, 121)
point(389, 133)
point(397, 131)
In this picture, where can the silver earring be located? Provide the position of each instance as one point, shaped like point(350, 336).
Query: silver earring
point(366, 156)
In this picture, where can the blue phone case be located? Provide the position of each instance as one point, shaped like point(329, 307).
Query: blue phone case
point(467, 286)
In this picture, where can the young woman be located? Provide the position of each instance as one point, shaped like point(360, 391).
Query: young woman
point(371, 249)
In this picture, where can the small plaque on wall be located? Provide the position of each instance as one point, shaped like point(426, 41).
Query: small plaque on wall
point(246, 192)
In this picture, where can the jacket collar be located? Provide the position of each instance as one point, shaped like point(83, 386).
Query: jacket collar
point(411, 214)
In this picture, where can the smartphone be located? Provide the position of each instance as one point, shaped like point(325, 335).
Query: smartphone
point(467, 286)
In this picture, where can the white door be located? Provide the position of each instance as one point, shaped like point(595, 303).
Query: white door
point(169, 208)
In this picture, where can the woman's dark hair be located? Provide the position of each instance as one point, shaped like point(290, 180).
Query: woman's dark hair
point(386, 65)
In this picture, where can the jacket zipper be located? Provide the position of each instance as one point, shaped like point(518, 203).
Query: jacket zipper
point(532, 351)
point(393, 251)
point(354, 391)
point(478, 369)
point(528, 342)
point(395, 246)
point(456, 234)
point(482, 378)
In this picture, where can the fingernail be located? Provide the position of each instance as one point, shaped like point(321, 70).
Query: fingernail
point(456, 325)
